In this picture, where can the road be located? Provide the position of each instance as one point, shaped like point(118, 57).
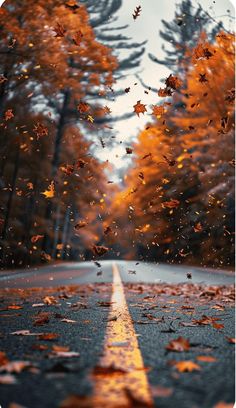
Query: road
point(122, 334)
point(131, 271)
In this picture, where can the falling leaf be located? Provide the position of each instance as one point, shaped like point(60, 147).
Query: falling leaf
point(50, 192)
point(9, 114)
point(40, 130)
point(139, 108)
point(179, 344)
point(99, 250)
point(129, 150)
point(83, 107)
point(197, 227)
point(186, 366)
point(171, 204)
point(202, 78)
point(80, 224)
point(127, 90)
point(173, 82)
point(158, 110)
point(137, 12)
point(36, 238)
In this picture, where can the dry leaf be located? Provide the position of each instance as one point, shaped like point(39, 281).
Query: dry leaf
point(186, 366)
point(179, 344)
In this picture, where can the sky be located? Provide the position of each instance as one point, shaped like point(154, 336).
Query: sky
point(147, 27)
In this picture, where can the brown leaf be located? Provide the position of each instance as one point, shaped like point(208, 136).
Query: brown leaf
point(179, 344)
point(41, 318)
point(137, 12)
point(48, 336)
point(173, 82)
point(99, 250)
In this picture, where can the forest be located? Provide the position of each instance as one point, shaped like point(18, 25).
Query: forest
point(59, 63)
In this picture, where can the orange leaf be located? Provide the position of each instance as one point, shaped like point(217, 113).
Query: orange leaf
point(187, 366)
point(207, 359)
point(139, 108)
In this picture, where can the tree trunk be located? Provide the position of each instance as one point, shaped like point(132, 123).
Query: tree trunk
point(47, 243)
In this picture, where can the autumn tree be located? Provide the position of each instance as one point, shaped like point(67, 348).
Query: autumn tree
point(52, 67)
point(180, 187)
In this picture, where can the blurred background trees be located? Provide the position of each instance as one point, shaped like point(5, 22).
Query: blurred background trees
point(59, 62)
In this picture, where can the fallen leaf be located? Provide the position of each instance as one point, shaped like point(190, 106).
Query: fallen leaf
point(65, 354)
point(25, 333)
point(231, 340)
point(15, 366)
point(186, 366)
point(48, 336)
point(159, 391)
point(68, 321)
point(7, 379)
point(207, 359)
point(179, 344)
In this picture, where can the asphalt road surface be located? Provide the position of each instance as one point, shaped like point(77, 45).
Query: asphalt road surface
point(86, 272)
point(122, 334)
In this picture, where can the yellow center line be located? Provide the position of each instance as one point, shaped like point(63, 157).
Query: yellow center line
point(125, 380)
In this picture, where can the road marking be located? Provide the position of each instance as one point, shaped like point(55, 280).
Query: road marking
point(121, 351)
